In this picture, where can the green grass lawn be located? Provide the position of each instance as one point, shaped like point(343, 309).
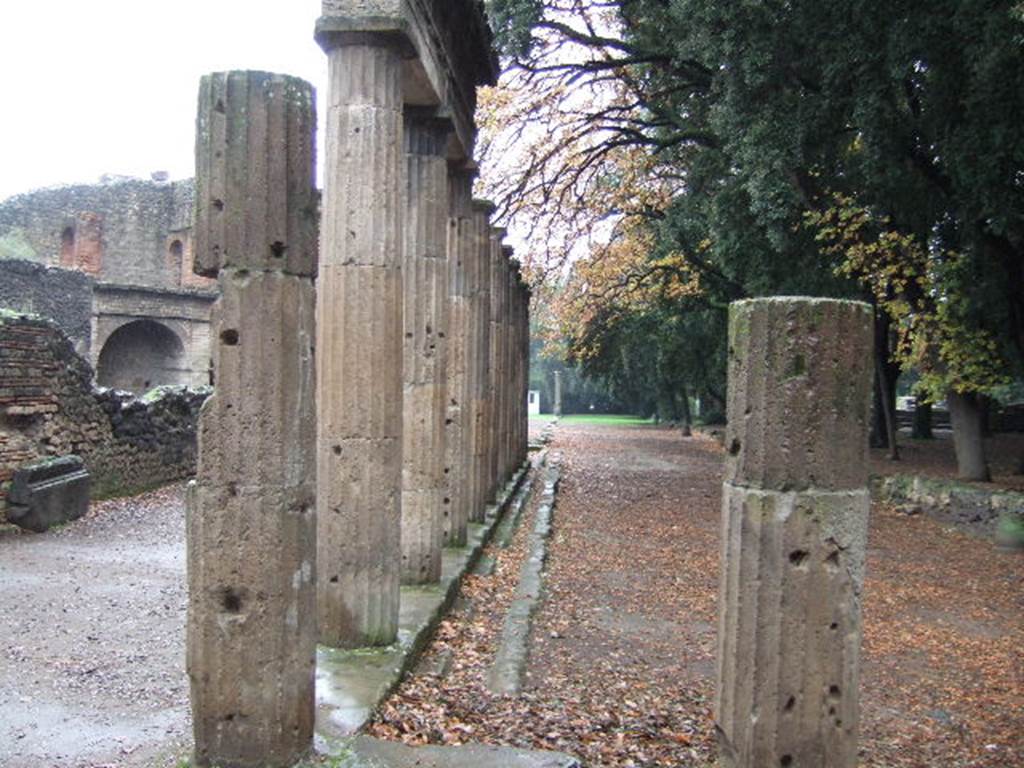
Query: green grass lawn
point(610, 419)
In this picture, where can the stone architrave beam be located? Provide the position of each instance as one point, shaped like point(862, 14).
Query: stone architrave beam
point(251, 634)
point(360, 344)
point(794, 515)
point(426, 330)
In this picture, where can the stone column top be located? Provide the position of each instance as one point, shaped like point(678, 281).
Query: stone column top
point(797, 400)
point(483, 206)
point(509, 252)
point(256, 201)
point(430, 132)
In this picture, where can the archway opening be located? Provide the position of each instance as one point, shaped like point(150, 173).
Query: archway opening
point(67, 247)
point(141, 355)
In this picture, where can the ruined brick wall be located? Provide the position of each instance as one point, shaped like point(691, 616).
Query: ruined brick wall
point(48, 407)
point(62, 295)
point(119, 232)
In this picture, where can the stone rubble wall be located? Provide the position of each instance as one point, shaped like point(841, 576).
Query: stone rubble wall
point(949, 501)
point(62, 294)
point(48, 407)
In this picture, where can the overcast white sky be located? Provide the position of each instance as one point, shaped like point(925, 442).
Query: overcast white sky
point(109, 86)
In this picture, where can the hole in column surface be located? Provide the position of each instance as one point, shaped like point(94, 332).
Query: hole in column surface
point(839, 723)
point(334, 579)
point(833, 691)
point(232, 489)
point(231, 600)
point(229, 337)
point(447, 470)
point(786, 760)
point(408, 335)
point(357, 129)
point(447, 500)
point(277, 249)
point(219, 106)
point(832, 561)
point(834, 626)
point(798, 557)
point(441, 335)
point(446, 423)
point(831, 710)
point(734, 447)
point(790, 703)
point(337, 450)
point(218, 204)
point(229, 717)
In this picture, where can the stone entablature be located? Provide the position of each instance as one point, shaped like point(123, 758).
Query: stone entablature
point(446, 46)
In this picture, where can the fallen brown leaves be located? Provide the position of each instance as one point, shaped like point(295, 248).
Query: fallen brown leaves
point(622, 650)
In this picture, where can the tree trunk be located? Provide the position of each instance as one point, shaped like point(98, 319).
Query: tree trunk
point(886, 374)
point(685, 413)
point(888, 412)
point(968, 441)
point(923, 421)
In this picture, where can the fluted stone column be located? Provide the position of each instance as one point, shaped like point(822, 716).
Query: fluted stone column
point(795, 513)
point(524, 381)
point(458, 455)
point(510, 385)
point(496, 366)
point(251, 634)
point(426, 329)
point(480, 359)
point(359, 343)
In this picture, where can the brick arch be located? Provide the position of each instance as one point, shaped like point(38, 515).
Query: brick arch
point(141, 354)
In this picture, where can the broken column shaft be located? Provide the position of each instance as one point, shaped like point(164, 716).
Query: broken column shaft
point(359, 343)
point(795, 511)
point(251, 512)
point(425, 276)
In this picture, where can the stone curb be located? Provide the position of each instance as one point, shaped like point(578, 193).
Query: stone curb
point(510, 522)
point(506, 676)
point(350, 684)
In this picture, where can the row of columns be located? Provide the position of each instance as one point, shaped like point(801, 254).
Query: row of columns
point(321, 490)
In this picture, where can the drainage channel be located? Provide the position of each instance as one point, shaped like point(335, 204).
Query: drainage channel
point(506, 676)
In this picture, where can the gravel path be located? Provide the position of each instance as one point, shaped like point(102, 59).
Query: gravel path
point(92, 616)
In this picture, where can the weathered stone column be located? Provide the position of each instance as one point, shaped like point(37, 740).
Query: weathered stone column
point(461, 244)
point(251, 511)
point(496, 366)
point(795, 510)
point(426, 329)
point(558, 393)
point(509, 464)
point(479, 363)
point(359, 343)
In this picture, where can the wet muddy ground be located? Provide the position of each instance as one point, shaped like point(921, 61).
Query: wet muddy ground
point(92, 618)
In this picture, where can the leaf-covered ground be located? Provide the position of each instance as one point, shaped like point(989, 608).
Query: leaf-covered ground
point(622, 666)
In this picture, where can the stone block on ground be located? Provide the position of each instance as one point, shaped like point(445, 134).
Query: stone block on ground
point(48, 493)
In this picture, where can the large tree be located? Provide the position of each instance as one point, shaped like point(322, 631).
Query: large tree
point(734, 131)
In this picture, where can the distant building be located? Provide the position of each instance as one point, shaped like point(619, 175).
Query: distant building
point(533, 402)
point(111, 263)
